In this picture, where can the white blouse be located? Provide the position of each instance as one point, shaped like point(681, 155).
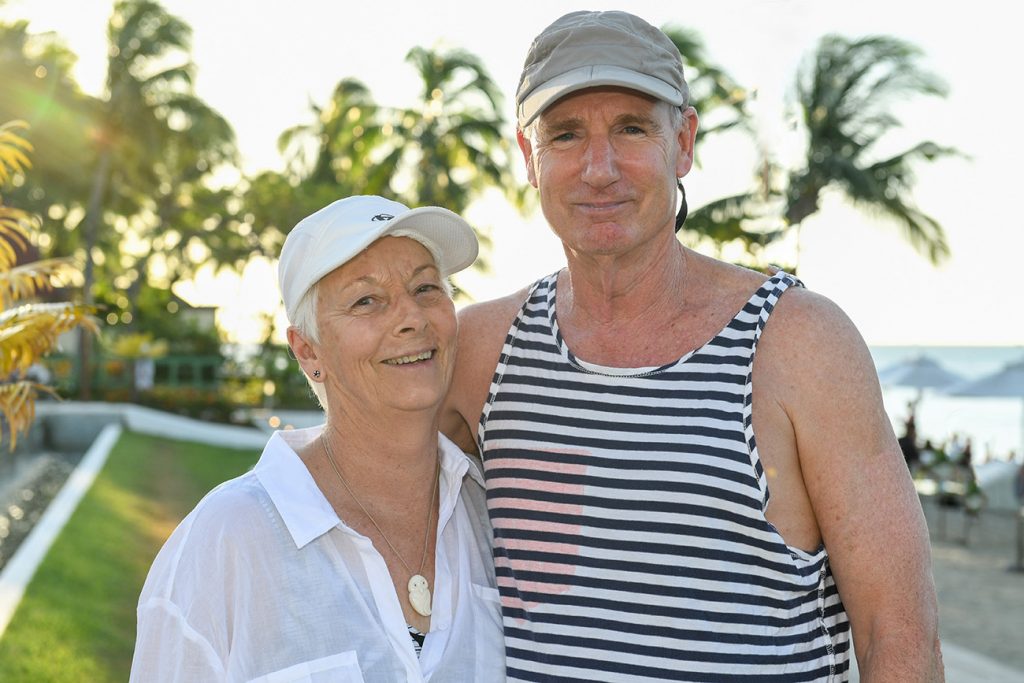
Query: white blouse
point(263, 582)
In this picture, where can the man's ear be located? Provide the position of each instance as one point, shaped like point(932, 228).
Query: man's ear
point(687, 141)
point(527, 149)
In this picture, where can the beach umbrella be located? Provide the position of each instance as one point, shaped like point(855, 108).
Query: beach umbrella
point(1007, 382)
point(920, 372)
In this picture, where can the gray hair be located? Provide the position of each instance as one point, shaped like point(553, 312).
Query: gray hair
point(305, 322)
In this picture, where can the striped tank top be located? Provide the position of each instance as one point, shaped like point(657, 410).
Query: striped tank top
point(630, 539)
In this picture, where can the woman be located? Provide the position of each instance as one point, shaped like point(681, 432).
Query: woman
point(347, 542)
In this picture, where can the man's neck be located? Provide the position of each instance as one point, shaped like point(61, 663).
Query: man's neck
point(615, 292)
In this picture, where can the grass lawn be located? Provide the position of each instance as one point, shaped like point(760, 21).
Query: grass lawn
point(76, 621)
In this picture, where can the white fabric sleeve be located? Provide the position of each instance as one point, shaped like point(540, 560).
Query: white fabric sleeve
point(169, 650)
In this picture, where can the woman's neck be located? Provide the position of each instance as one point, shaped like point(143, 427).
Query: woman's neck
point(387, 452)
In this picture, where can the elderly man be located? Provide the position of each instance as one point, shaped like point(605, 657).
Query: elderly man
point(668, 504)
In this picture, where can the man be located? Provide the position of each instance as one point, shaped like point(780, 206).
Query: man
point(632, 440)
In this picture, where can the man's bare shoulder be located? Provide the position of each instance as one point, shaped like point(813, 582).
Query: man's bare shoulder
point(717, 280)
point(809, 318)
point(482, 330)
point(484, 320)
point(811, 347)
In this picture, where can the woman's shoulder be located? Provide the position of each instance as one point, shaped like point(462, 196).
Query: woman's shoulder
point(216, 529)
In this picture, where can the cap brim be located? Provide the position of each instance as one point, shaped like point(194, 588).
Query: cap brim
point(448, 237)
point(590, 77)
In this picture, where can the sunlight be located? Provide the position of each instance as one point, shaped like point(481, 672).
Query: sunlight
point(261, 95)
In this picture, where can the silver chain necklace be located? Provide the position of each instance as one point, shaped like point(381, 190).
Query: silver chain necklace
point(419, 589)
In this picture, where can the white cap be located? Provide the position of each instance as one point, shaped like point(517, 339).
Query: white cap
point(338, 232)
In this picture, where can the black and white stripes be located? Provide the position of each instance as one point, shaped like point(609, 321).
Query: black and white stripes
point(628, 512)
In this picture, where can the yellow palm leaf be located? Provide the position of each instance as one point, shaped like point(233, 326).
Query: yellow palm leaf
point(14, 227)
point(18, 406)
point(22, 282)
point(12, 150)
point(29, 332)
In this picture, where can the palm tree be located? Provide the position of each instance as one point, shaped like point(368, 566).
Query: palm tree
point(38, 87)
point(197, 141)
point(336, 154)
point(718, 99)
point(722, 105)
point(451, 146)
point(337, 147)
point(845, 92)
point(147, 76)
point(446, 150)
point(28, 331)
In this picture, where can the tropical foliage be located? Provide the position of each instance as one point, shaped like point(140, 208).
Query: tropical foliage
point(28, 329)
point(130, 182)
point(447, 149)
point(717, 97)
point(845, 93)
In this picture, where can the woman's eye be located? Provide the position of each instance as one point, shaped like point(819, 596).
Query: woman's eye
point(363, 301)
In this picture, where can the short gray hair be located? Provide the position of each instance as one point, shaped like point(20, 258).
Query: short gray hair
point(305, 322)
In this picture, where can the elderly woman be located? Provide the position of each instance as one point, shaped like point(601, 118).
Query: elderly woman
point(360, 549)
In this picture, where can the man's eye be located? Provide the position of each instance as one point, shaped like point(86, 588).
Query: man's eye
point(564, 137)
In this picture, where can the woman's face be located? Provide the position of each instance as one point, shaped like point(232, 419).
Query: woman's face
point(387, 330)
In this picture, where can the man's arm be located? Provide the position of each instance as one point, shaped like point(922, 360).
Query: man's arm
point(858, 486)
point(482, 331)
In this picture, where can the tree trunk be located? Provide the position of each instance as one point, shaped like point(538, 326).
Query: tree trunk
point(90, 227)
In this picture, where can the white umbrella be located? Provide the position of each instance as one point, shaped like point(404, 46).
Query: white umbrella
point(920, 372)
point(1007, 382)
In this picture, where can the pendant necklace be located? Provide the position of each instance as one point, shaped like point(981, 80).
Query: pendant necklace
point(419, 589)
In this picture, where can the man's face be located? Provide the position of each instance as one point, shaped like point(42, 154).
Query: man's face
point(605, 161)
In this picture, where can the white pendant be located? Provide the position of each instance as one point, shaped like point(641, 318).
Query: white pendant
point(419, 595)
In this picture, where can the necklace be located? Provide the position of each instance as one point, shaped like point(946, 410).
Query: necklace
point(419, 589)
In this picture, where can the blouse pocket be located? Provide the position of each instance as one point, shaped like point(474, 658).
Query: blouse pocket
point(487, 593)
point(342, 667)
point(489, 647)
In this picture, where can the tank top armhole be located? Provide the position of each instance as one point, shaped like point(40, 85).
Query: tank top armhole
point(775, 286)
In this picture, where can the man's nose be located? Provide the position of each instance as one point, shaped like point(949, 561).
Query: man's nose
point(600, 167)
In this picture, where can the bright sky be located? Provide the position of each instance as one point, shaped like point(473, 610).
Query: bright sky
point(260, 63)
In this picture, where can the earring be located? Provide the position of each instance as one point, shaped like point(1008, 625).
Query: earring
point(316, 374)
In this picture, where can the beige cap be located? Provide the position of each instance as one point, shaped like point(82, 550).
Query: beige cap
point(587, 49)
point(336, 233)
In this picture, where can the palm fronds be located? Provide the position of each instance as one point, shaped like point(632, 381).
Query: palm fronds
point(18, 405)
point(30, 330)
point(845, 92)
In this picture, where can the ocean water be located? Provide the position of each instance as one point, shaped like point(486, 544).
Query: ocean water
point(994, 425)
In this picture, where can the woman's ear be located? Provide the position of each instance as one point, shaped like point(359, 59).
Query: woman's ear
point(305, 353)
